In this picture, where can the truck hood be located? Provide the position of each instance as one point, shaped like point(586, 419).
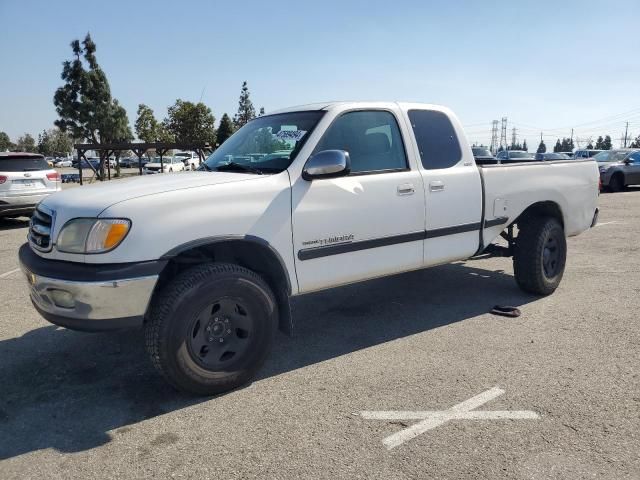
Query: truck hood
point(90, 200)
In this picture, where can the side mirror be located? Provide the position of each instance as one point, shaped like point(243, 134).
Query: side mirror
point(627, 161)
point(327, 164)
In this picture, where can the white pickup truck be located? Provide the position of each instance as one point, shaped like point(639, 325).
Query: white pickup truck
point(340, 193)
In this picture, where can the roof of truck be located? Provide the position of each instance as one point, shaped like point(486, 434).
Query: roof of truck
point(354, 104)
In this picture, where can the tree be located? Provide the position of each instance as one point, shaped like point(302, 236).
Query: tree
point(524, 146)
point(606, 145)
point(190, 122)
point(225, 129)
point(590, 146)
point(599, 143)
point(26, 143)
point(44, 144)
point(261, 112)
point(567, 145)
point(246, 112)
point(558, 146)
point(634, 144)
point(84, 103)
point(542, 148)
point(146, 125)
point(5, 142)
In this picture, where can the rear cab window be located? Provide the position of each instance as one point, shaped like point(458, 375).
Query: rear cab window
point(437, 141)
point(23, 163)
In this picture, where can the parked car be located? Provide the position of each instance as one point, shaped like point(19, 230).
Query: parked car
point(25, 180)
point(211, 286)
point(483, 156)
point(618, 168)
point(170, 164)
point(568, 154)
point(63, 162)
point(551, 156)
point(129, 162)
point(586, 153)
point(191, 160)
point(515, 156)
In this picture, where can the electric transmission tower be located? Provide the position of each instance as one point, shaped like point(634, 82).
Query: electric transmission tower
point(503, 134)
point(514, 137)
point(494, 137)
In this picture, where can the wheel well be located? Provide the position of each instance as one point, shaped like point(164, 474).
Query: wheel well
point(541, 209)
point(255, 255)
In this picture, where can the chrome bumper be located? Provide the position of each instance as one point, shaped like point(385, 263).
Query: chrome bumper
point(93, 306)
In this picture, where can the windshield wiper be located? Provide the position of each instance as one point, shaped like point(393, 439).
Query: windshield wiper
point(204, 166)
point(233, 166)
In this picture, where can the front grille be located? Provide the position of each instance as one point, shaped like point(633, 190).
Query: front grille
point(40, 228)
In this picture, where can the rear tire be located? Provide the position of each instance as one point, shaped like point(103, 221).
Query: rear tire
point(616, 184)
point(540, 255)
point(211, 328)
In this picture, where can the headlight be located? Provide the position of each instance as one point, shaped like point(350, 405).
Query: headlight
point(92, 235)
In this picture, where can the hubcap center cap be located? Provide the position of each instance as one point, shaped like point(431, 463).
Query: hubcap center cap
point(218, 329)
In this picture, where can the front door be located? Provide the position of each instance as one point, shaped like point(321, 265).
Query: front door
point(367, 224)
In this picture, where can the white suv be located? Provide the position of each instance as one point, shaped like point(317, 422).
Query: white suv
point(25, 179)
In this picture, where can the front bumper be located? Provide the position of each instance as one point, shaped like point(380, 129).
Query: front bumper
point(90, 297)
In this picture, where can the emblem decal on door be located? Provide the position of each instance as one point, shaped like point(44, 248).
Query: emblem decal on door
point(329, 240)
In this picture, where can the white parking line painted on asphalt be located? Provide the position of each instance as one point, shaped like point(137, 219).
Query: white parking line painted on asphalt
point(604, 223)
point(434, 418)
point(6, 274)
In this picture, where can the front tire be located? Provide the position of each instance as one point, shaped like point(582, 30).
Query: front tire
point(540, 255)
point(211, 328)
point(616, 184)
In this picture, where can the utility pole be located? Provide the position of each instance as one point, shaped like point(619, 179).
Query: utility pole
point(494, 137)
point(626, 132)
point(503, 133)
point(513, 137)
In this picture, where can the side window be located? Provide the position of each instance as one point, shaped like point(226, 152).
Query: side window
point(372, 139)
point(437, 140)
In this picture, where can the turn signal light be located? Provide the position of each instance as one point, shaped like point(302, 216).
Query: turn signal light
point(2, 179)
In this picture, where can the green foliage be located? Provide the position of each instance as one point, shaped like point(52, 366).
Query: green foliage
point(606, 145)
point(558, 146)
point(84, 103)
point(524, 146)
point(264, 142)
point(246, 111)
point(634, 144)
point(5, 142)
point(190, 122)
point(26, 143)
point(567, 145)
point(54, 142)
point(600, 143)
point(146, 125)
point(225, 129)
point(261, 112)
point(542, 148)
point(590, 146)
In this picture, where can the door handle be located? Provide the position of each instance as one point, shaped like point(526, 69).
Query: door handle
point(436, 186)
point(406, 189)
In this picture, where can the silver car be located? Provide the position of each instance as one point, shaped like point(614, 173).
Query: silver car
point(25, 179)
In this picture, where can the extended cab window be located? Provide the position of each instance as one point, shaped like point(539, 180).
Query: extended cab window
point(372, 139)
point(436, 138)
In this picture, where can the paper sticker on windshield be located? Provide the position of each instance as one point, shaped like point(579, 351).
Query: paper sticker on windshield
point(294, 135)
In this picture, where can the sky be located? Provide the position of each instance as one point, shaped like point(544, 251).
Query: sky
point(545, 65)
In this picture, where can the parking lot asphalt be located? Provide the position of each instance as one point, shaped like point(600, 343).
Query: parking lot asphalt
point(78, 405)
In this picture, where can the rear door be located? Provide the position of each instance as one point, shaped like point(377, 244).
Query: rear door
point(369, 223)
point(453, 192)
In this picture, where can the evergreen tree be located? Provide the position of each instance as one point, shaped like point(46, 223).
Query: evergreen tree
point(606, 145)
point(524, 145)
point(558, 146)
point(590, 146)
point(84, 103)
point(246, 112)
point(146, 124)
point(5, 142)
point(634, 144)
point(542, 148)
point(261, 112)
point(600, 143)
point(225, 129)
point(44, 144)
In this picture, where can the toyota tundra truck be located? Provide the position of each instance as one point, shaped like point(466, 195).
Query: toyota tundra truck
point(300, 200)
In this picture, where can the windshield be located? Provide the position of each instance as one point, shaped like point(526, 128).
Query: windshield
point(609, 156)
point(481, 152)
point(266, 144)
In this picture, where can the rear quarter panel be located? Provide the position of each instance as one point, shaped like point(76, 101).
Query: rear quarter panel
point(571, 184)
